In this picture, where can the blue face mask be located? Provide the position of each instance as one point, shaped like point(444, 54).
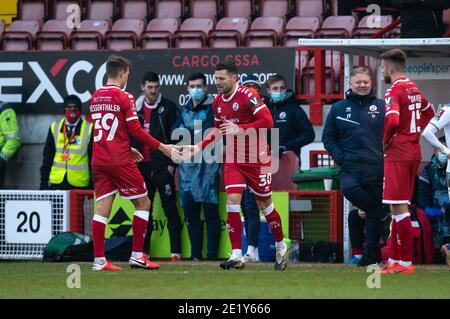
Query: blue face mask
point(442, 158)
point(196, 94)
point(278, 96)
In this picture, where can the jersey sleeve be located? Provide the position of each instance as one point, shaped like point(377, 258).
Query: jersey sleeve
point(217, 120)
point(129, 106)
point(392, 115)
point(427, 112)
point(255, 102)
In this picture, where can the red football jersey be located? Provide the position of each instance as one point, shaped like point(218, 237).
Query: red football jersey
point(245, 108)
point(407, 113)
point(115, 119)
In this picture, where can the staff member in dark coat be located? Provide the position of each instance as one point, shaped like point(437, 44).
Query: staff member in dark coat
point(353, 135)
point(158, 116)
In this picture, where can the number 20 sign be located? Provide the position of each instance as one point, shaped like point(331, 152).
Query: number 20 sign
point(28, 222)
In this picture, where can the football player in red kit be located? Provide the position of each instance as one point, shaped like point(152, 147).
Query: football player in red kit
point(407, 112)
point(238, 112)
point(113, 113)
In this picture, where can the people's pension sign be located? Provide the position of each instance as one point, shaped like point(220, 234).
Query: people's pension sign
point(37, 82)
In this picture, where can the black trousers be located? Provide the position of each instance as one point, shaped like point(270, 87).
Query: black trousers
point(250, 211)
point(367, 197)
point(192, 211)
point(356, 226)
point(162, 181)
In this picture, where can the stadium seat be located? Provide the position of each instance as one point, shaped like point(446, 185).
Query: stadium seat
point(337, 27)
point(368, 26)
point(309, 8)
point(90, 35)
point(20, 36)
point(299, 27)
point(274, 8)
point(32, 10)
point(60, 7)
point(333, 67)
point(265, 32)
point(193, 33)
point(159, 33)
point(204, 9)
point(282, 178)
point(54, 36)
point(124, 34)
point(169, 8)
point(239, 8)
point(135, 9)
point(101, 10)
point(229, 33)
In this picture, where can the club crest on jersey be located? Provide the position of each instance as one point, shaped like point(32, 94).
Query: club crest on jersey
point(282, 115)
point(235, 106)
point(161, 109)
point(373, 108)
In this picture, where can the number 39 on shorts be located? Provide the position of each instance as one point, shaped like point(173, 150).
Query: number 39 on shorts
point(107, 122)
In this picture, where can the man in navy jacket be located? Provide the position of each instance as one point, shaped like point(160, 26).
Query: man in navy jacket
point(353, 135)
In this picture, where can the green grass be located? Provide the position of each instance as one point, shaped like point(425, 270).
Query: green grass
point(205, 280)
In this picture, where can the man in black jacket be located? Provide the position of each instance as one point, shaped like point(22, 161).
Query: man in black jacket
point(158, 116)
point(353, 135)
point(295, 129)
point(421, 18)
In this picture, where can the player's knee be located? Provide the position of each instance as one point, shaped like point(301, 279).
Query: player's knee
point(142, 203)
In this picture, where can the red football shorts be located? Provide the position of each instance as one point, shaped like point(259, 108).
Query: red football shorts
point(123, 179)
point(398, 182)
point(257, 178)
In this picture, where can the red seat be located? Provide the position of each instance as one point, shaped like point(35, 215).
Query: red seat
point(159, 33)
point(20, 36)
point(90, 35)
point(101, 9)
point(274, 8)
point(203, 9)
point(309, 8)
point(169, 8)
point(60, 8)
point(238, 8)
point(282, 178)
point(135, 9)
point(299, 27)
point(54, 36)
point(124, 34)
point(333, 66)
point(265, 32)
point(229, 33)
point(337, 27)
point(193, 33)
point(370, 25)
point(32, 10)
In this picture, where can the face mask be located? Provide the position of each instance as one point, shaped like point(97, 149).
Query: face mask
point(442, 158)
point(72, 115)
point(278, 96)
point(196, 93)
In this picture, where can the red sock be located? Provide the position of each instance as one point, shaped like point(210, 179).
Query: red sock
point(394, 252)
point(234, 226)
point(98, 235)
point(357, 251)
point(140, 220)
point(274, 221)
point(405, 239)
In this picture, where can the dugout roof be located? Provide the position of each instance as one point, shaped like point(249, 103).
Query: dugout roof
point(421, 47)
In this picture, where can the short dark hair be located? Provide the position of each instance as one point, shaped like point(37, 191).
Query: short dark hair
point(150, 77)
point(72, 99)
point(363, 70)
point(275, 78)
point(197, 76)
point(115, 64)
point(396, 58)
point(229, 65)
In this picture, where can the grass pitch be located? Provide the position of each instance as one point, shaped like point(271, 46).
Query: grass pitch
point(186, 280)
